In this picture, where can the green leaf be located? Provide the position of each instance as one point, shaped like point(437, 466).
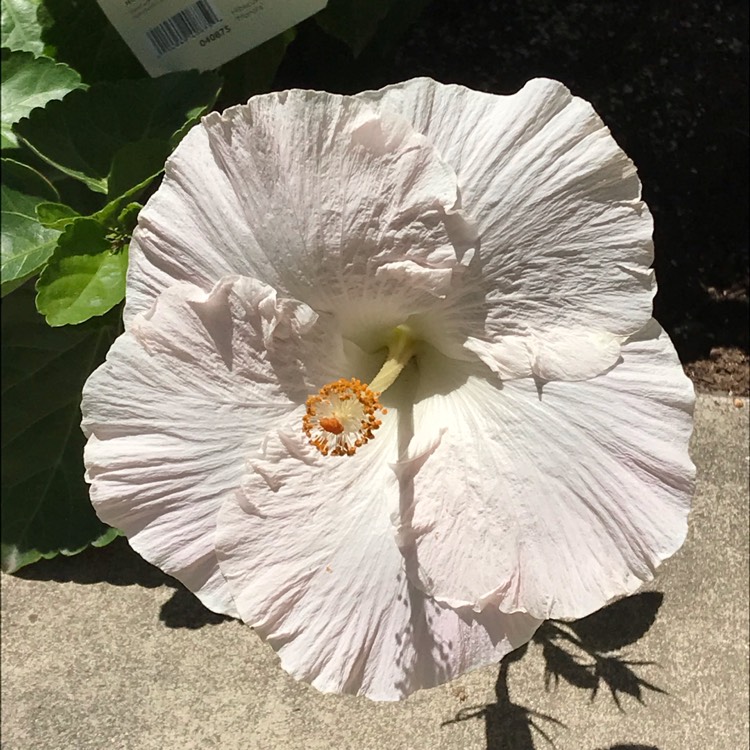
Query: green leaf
point(85, 276)
point(25, 179)
point(45, 507)
point(21, 26)
point(135, 165)
point(82, 134)
point(11, 286)
point(82, 36)
point(354, 22)
point(128, 218)
point(75, 194)
point(26, 244)
point(110, 215)
point(55, 215)
point(254, 71)
point(30, 82)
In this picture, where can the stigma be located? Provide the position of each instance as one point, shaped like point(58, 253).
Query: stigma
point(342, 417)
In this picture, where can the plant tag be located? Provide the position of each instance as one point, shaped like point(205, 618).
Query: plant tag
point(171, 35)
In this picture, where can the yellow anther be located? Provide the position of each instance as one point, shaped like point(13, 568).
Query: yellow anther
point(341, 417)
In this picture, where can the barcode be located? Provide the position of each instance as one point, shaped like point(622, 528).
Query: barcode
point(180, 27)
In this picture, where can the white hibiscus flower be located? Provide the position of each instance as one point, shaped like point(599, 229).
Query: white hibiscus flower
point(520, 452)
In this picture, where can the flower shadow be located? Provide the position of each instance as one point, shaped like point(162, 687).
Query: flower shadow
point(509, 726)
point(584, 654)
point(118, 565)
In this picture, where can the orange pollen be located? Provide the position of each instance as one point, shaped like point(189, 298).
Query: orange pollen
point(341, 417)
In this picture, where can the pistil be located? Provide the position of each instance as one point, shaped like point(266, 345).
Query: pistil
point(342, 416)
point(400, 351)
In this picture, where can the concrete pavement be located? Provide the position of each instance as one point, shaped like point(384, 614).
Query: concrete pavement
point(103, 651)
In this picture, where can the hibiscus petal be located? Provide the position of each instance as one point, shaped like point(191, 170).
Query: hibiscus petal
point(185, 394)
point(550, 499)
point(565, 238)
point(308, 551)
point(317, 194)
point(556, 354)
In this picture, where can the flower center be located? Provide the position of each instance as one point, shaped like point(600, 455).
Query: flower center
point(342, 416)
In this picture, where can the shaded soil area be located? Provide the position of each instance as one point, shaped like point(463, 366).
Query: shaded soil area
point(725, 369)
point(669, 79)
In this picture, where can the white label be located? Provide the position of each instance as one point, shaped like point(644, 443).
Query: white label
point(169, 35)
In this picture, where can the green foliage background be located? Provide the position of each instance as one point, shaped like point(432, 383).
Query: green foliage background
point(84, 135)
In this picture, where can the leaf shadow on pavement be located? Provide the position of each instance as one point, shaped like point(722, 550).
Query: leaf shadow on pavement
point(585, 654)
point(118, 565)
